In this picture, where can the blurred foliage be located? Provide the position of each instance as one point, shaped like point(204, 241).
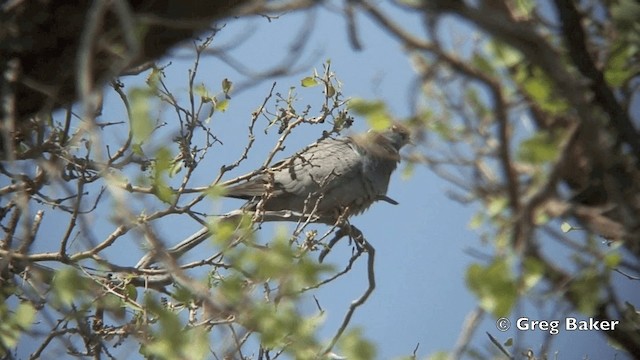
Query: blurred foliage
point(525, 117)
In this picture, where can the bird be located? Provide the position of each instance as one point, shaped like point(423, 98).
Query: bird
point(327, 181)
point(331, 179)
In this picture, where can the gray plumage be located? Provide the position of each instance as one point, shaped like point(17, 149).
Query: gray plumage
point(332, 177)
point(328, 179)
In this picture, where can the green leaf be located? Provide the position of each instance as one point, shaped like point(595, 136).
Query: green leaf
point(202, 91)
point(131, 292)
point(541, 89)
point(25, 313)
point(408, 171)
point(216, 191)
point(625, 14)
point(374, 111)
point(612, 259)
point(66, 285)
point(175, 168)
point(533, 272)
point(141, 124)
point(494, 285)
point(365, 107)
point(524, 8)
point(154, 77)
point(483, 64)
point(223, 105)
point(566, 227)
point(227, 85)
point(163, 191)
point(505, 55)
point(309, 81)
point(440, 355)
point(355, 347)
point(476, 220)
point(331, 91)
point(163, 165)
point(538, 149)
point(586, 288)
point(497, 205)
point(619, 68)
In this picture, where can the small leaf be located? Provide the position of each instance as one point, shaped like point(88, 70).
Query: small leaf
point(533, 272)
point(175, 168)
point(506, 56)
point(585, 288)
point(483, 64)
point(25, 313)
point(374, 111)
point(476, 220)
point(566, 227)
point(612, 259)
point(524, 8)
point(538, 149)
point(223, 105)
point(497, 205)
point(216, 191)
point(494, 285)
point(309, 81)
point(141, 124)
point(227, 85)
point(354, 346)
point(66, 285)
point(154, 77)
point(331, 91)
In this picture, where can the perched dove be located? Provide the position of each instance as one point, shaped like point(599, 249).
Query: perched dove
point(326, 180)
point(333, 177)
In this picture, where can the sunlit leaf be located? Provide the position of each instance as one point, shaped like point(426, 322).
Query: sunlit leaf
point(223, 105)
point(154, 77)
point(538, 149)
point(66, 285)
point(483, 64)
point(566, 227)
point(541, 89)
point(585, 288)
point(505, 55)
point(523, 9)
point(612, 259)
point(309, 81)
point(440, 355)
point(533, 272)
point(476, 220)
point(141, 123)
point(354, 347)
point(408, 171)
point(331, 91)
point(497, 205)
point(375, 113)
point(24, 315)
point(619, 66)
point(175, 168)
point(226, 87)
point(216, 191)
point(494, 285)
point(625, 14)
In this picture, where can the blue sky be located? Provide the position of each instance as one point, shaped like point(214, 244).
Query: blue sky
point(421, 243)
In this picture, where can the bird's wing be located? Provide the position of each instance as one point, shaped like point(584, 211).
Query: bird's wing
point(326, 167)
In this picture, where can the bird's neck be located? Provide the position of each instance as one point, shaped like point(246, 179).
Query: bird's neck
point(377, 146)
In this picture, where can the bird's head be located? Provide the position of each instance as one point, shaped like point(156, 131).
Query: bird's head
point(398, 135)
